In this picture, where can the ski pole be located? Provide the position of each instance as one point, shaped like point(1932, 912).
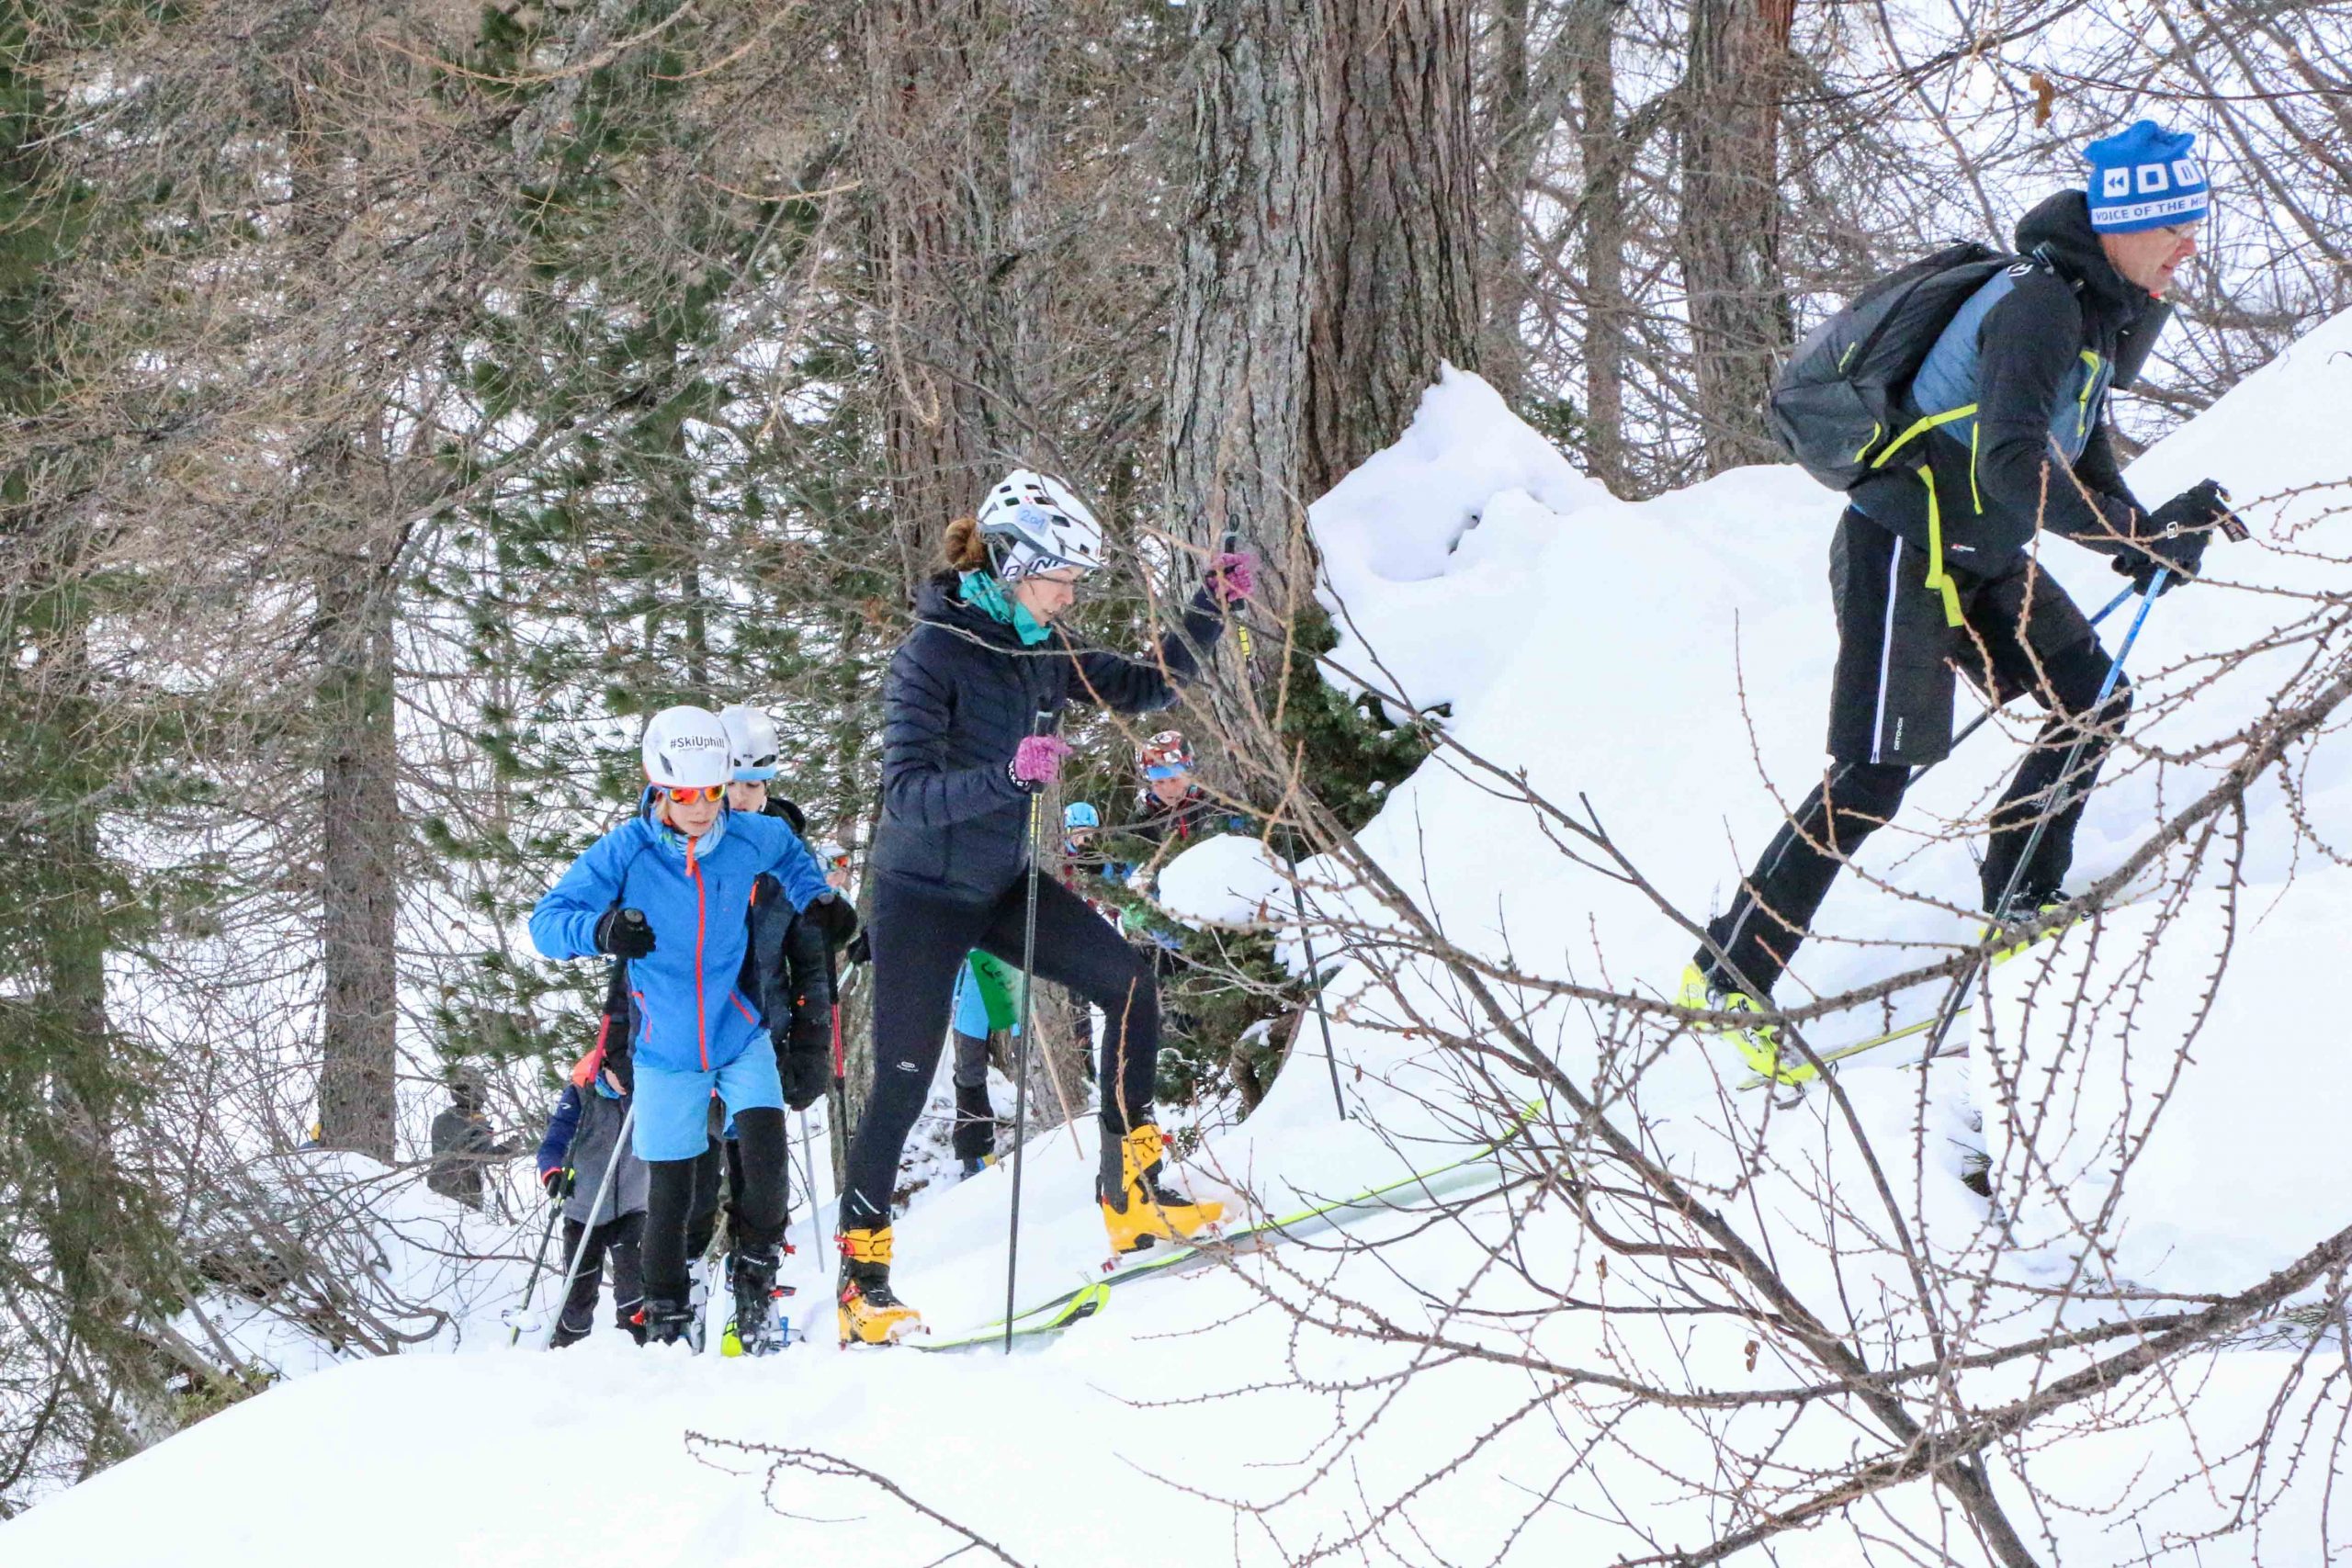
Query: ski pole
point(809, 1164)
point(1021, 1046)
point(1979, 722)
point(1314, 981)
point(580, 1253)
point(539, 1261)
point(1955, 1002)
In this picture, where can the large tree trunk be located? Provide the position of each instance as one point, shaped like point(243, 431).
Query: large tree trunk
point(1730, 239)
point(1400, 220)
point(1247, 268)
point(1590, 31)
point(359, 864)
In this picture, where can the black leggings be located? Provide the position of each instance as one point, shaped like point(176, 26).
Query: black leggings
point(919, 940)
point(620, 1238)
point(682, 1196)
point(1762, 930)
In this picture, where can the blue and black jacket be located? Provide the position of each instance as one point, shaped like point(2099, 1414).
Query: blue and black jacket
point(690, 1010)
point(2009, 428)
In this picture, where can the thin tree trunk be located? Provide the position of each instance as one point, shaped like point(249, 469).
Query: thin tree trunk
point(1591, 28)
point(1513, 134)
point(1730, 229)
point(930, 224)
point(1398, 291)
point(1025, 273)
point(359, 865)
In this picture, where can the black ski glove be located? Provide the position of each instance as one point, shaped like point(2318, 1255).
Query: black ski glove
point(624, 933)
point(859, 949)
point(804, 1054)
point(2173, 538)
point(835, 915)
point(558, 1183)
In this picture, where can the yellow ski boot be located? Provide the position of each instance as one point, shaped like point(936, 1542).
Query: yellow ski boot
point(869, 1313)
point(1759, 1044)
point(1136, 1210)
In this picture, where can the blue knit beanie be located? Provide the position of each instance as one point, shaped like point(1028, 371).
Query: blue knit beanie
point(2145, 177)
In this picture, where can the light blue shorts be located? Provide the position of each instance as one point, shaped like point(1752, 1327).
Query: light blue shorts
point(674, 1108)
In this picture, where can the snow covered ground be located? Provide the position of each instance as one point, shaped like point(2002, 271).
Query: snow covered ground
point(1664, 664)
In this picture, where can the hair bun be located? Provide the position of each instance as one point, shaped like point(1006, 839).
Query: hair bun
point(967, 549)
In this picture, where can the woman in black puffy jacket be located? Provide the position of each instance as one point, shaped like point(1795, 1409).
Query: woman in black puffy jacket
point(974, 696)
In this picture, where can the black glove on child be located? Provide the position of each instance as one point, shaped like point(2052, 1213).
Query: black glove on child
point(2173, 538)
point(558, 1183)
point(804, 1054)
point(624, 933)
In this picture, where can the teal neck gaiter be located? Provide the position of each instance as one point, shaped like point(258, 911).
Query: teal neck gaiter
point(986, 594)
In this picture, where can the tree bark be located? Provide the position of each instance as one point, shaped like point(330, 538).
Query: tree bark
point(1248, 272)
point(1516, 123)
point(359, 861)
point(1399, 258)
point(931, 216)
point(1590, 34)
point(1730, 229)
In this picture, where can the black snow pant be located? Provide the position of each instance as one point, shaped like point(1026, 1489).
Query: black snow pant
point(682, 1203)
point(619, 1238)
point(1890, 712)
point(920, 938)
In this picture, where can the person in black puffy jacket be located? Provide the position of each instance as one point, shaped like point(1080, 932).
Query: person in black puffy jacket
point(973, 697)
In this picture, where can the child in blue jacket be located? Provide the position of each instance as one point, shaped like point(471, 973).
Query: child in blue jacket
point(668, 891)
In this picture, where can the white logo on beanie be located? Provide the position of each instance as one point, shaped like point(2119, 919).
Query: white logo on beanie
point(2117, 182)
point(2152, 178)
point(2185, 171)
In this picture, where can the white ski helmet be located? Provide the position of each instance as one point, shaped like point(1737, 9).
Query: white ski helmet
point(1033, 523)
point(751, 742)
point(686, 746)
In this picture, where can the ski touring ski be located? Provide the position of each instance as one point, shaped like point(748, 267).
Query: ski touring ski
point(1037, 1324)
point(1467, 1173)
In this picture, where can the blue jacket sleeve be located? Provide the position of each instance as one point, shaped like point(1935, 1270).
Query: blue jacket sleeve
point(556, 1148)
point(1144, 684)
point(564, 924)
point(799, 871)
point(917, 786)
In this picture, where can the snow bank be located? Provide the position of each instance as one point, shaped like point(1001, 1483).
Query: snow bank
point(1430, 548)
point(1228, 880)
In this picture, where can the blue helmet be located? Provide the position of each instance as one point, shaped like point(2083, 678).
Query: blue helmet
point(1080, 813)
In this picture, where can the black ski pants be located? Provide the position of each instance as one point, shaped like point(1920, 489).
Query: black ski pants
point(619, 1240)
point(1898, 659)
point(682, 1203)
point(919, 940)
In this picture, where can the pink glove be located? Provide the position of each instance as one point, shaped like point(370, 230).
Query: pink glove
point(1038, 761)
point(1233, 576)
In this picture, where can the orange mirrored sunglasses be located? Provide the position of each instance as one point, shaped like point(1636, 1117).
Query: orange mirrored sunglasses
point(687, 794)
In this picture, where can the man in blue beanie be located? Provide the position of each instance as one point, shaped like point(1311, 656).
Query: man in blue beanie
point(1930, 569)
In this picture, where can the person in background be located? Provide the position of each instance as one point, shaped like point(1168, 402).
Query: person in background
point(987, 1002)
point(462, 1141)
point(579, 1148)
